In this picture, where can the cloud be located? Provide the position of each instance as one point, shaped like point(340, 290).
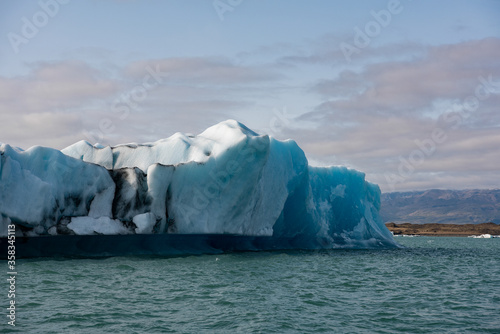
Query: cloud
point(43, 128)
point(445, 72)
point(372, 118)
point(444, 180)
point(327, 51)
point(371, 115)
point(182, 94)
point(54, 85)
point(211, 71)
point(39, 109)
point(58, 103)
point(384, 147)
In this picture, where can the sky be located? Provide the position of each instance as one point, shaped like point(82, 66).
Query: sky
point(406, 91)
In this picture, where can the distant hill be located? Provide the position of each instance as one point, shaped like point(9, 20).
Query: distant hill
point(442, 206)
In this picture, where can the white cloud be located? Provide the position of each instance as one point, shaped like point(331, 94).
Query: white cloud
point(61, 102)
point(210, 71)
point(445, 72)
point(368, 117)
point(372, 118)
point(43, 107)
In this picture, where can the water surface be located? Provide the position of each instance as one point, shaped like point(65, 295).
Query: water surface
point(434, 285)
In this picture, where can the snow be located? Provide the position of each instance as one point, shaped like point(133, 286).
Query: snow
point(226, 180)
point(102, 225)
point(98, 154)
point(177, 149)
point(159, 180)
point(145, 223)
point(101, 204)
point(41, 185)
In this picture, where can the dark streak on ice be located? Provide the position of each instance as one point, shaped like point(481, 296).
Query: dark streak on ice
point(131, 197)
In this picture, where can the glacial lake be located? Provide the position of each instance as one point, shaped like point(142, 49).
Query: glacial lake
point(433, 285)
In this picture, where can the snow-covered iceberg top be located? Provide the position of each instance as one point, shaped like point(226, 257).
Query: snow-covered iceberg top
point(226, 180)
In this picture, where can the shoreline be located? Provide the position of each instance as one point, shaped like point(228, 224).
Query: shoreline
point(443, 230)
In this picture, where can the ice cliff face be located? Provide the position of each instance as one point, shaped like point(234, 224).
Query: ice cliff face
point(41, 186)
point(227, 180)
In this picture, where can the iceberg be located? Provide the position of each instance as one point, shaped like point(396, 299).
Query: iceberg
point(227, 181)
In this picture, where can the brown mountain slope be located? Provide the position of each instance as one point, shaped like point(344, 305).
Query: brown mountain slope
point(444, 229)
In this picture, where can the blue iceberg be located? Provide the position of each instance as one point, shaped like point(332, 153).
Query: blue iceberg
point(228, 188)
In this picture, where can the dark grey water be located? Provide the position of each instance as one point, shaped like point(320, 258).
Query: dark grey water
point(435, 285)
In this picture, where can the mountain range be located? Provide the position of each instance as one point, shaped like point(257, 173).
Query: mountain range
point(442, 206)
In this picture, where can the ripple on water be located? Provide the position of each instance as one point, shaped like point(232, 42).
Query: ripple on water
point(435, 285)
